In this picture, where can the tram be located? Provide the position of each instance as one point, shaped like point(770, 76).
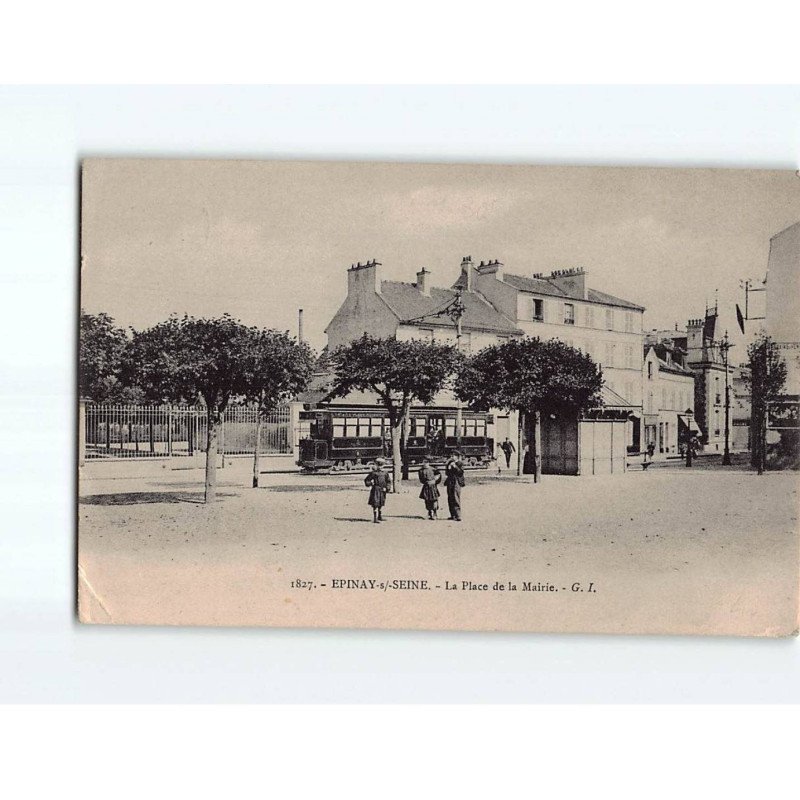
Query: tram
point(350, 438)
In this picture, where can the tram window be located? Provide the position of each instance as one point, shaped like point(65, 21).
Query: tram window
point(450, 427)
point(481, 427)
point(417, 426)
point(338, 427)
point(363, 426)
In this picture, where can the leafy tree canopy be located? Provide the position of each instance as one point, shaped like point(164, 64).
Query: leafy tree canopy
point(399, 372)
point(275, 368)
point(766, 373)
point(102, 353)
point(531, 375)
point(183, 360)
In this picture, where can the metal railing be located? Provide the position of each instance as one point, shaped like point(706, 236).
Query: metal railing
point(134, 431)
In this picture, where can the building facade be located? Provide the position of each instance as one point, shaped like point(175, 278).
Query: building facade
point(497, 306)
point(705, 357)
point(668, 399)
point(782, 324)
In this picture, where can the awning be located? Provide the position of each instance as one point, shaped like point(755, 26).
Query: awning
point(690, 423)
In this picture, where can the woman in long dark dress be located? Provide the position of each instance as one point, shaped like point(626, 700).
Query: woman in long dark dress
point(430, 478)
point(380, 482)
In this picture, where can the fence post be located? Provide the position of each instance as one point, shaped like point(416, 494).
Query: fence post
point(81, 432)
point(222, 438)
point(151, 432)
point(169, 431)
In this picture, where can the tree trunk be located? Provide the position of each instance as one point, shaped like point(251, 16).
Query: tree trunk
point(213, 418)
point(397, 426)
point(257, 450)
point(537, 446)
point(404, 443)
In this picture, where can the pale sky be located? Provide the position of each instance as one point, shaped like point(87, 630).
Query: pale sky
point(261, 239)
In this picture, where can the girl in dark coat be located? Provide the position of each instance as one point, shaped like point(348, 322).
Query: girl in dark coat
point(380, 482)
point(430, 478)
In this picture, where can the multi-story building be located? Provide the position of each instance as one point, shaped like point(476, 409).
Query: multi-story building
point(497, 306)
point(668, 397)
point(701, 341)
point(782, 324)
point(561, 305)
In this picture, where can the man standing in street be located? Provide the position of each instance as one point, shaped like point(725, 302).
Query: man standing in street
point(508, 448)
point(454, 480)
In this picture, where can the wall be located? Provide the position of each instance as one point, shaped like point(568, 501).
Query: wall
point(593, 339)
point(363, 310)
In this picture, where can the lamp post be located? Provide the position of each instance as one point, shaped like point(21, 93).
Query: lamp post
point(455, 311)
point(725, 345)
point(689, 415)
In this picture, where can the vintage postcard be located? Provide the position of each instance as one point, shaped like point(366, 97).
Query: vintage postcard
point(429, 396)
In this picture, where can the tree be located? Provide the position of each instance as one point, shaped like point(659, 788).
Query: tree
point(101, 359)
point(766, 378)
point(276, 369)
point(187, 360)
point(531, 377)
point(400, 373)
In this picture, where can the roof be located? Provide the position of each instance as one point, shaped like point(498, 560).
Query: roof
point(536, 285)
point(610, 300)
point(544, 286)
point(673, 367)
point(408, 303)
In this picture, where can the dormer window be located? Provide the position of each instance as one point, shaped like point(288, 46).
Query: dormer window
point(569, 314)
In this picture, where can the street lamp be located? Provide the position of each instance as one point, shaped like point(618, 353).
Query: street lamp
point(725, 345)
point(689, 415)
point(455, 311)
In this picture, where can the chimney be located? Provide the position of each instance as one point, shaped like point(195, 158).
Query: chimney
point(467, 273)
point(571, 281)
point(364, 277)
point(422, 282)
point(491, 268)
point(300, 325)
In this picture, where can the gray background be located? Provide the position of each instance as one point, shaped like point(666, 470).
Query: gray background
point(45, 656)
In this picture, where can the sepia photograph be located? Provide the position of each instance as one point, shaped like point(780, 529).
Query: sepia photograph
point(439, 396)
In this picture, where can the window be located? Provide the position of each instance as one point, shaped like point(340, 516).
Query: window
point(450, 427)
point(426, 334)
point(465, 342)
point(649, 370)
point(630, 322)
point(610, 319)
point(629, 357)
point(610, 348)
point(589, 317)
point(538, 310)
point(338, 427)
point(364, 426)
point(569, 314)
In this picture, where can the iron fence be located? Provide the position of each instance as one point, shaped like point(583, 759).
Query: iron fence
point(134, 431)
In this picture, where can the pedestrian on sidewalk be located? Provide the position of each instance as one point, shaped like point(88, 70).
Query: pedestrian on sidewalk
point(380, 483)
point(454, 481)
point(508, 448)
point(430, 478)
